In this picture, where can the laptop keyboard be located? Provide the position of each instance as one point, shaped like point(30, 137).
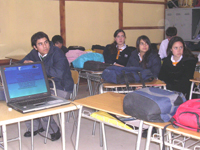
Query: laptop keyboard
point(38, 101)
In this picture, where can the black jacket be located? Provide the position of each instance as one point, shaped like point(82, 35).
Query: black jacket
point(123, 58)
point(56, 65)
point(177, 77)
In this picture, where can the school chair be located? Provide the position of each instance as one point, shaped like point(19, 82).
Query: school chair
point(75, 77)
point(195, 80)
point(55, 93)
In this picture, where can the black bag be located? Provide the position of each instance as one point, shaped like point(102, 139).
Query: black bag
point(152, 104)
point(76, 47)
point(98, 47)
point(95, 65)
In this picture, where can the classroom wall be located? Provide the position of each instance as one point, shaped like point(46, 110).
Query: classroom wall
point(87, 23)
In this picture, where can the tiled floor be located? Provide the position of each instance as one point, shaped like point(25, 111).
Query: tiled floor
point(116, 139)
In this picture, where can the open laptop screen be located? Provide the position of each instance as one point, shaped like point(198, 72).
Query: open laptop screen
point(24, 81)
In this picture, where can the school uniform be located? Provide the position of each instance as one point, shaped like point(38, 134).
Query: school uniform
point(56, 66)
point(153, 62)
point(177, 76)
point(121, 57)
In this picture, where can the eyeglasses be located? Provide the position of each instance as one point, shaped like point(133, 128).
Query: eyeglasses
point(141, 43)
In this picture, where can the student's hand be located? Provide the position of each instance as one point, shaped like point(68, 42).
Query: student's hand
point(28, 61)
point(118, 65)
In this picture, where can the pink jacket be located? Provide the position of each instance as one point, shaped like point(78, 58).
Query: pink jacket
point(73, 54)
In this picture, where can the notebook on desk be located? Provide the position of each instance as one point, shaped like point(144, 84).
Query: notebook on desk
point(27, 89)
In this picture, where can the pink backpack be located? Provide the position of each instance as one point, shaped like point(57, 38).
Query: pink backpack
point(188, 115)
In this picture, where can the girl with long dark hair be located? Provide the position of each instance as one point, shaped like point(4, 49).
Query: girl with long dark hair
point(145, 57)
point(118, 52)
point(178, 67)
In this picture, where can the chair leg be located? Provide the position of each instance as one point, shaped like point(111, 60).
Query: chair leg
point(69, 115)
point(46, 135)
point(94, 127)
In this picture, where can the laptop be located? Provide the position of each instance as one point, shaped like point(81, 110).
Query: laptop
point(27, 89)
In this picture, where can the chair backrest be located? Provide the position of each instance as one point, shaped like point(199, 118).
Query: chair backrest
point(196, 75)
point(75, 77)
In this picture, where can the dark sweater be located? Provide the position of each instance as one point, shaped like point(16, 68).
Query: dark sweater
point(123, 57)
point(153, 62)
point(56, 65)
point(177, 77)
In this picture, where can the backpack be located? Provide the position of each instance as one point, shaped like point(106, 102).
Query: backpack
point(126, 75)
point(152, 104)
point(79, 62)
point(188, 115)
point(95, 65)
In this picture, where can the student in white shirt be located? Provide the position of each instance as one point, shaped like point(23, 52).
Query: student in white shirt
point(170, 32)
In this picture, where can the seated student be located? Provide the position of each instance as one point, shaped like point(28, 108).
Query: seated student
point(170, 32)
point(56, 66)
point(118, 52)
point(58, 41)
point(145, 57)
point(178, 67)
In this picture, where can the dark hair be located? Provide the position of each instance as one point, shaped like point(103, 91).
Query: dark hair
point(57, 38)
point(171, 31)
point(186, 51)
point(145, 56)
point(37, 36)
point(113, 48)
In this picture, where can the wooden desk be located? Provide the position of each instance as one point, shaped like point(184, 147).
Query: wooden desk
point(13, 116)
point(154, 83)
point(112, 103)
point(16, 58)
point(90, 75)
point(171, 129)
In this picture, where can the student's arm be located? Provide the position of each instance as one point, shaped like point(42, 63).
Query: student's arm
point(58, 67)
point(107, 55)
point(163, 74)
point(188, 73)
point(156, 65)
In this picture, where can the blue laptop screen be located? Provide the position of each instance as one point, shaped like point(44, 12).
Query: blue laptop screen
point(25, 80)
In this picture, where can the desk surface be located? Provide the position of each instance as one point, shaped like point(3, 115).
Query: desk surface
point(13, 116)
point(153, 83)
point(109, 102)
point(16, 57)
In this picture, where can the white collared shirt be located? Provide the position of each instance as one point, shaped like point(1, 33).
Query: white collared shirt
point(40, 56)
point(122, 48)
point(140, 57)
point(172, 59)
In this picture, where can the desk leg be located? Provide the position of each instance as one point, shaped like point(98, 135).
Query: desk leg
point(191, 89)
point(20, 139)
point(5, 137)
point(89, 84)
point(104, 136)
point(139, 135)
point(32, 147)
point(78, 127)
point(63, 129)
point(148, 137)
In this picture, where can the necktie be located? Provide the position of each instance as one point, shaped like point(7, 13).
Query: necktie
point(118, 52)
